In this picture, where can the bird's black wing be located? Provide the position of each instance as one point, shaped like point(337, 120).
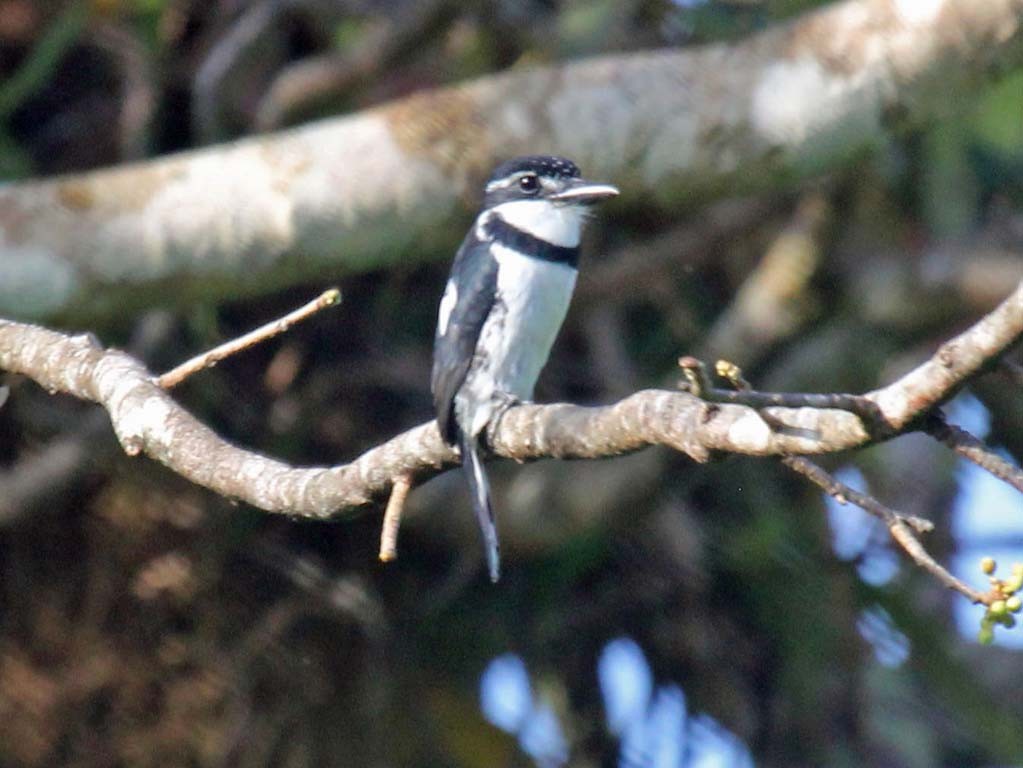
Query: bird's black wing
point(474, 279)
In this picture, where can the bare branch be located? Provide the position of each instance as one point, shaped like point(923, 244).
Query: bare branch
point(146, 418)
point(898, 525)
point(700, 385)
point(392, 519)
point(172, 378)
point(358, 191)
point(973, 449)
point(904, 536)
point(844, 494)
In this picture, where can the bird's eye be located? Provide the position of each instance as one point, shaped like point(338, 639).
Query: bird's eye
point(529, 183)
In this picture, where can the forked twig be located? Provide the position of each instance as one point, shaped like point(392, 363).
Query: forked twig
point(900, 527)
point(903, 528)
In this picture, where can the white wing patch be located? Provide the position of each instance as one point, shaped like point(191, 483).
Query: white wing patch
point(481, 225)
point(447, 303)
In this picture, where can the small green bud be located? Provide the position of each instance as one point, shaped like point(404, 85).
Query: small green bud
point(1008, 621)
point(988, 565)
point(998, 608)
point(1014, 604)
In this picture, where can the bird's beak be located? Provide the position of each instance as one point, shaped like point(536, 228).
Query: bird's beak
point(582, 192)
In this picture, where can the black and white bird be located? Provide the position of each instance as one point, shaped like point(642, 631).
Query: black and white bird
point(509, 290)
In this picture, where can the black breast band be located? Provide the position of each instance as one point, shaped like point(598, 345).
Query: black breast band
point(528, 245)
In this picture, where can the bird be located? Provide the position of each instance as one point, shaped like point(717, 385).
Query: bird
point(509, 290)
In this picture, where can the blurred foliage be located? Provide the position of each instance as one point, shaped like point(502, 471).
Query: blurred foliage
point(145, 622)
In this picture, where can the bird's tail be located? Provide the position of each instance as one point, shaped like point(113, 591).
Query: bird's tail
point(480, 488)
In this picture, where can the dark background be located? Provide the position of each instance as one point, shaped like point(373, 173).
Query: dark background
point(146, 622)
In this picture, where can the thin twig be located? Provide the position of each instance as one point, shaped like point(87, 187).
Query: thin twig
point(210, 358)
point(969, 447)
point(843, 493)
point(909, 543)
point(898, 525)
point(820, 476)
point(700, 385)
point(392, 518)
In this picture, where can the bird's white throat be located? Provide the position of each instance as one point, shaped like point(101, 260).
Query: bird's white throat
point(556, 224)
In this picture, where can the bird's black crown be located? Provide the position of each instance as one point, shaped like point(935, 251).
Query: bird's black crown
point(547, 166)
point(531, 177)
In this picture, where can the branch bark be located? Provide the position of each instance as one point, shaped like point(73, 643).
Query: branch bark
point(146, 419)
point(361, 191)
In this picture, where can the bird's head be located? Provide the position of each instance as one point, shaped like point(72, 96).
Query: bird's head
point(544, 196)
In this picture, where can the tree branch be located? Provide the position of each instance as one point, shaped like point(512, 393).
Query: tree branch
point(902, 528)
point(361, 191)
point(146, 419)
point(172, 378)
point(973, 449)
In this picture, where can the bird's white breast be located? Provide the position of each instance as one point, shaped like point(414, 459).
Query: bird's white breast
point(536, 295)
point(532, 299)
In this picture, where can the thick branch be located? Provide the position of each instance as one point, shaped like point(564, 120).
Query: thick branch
point(147, 419)
point(359, 191)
